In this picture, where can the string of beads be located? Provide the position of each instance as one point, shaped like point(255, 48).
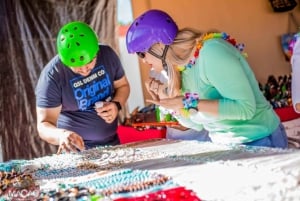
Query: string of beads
point(206, 37)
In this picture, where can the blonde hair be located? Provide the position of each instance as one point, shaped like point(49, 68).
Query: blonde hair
point(178, 54)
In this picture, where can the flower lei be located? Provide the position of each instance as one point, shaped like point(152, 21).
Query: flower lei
point(208, 36)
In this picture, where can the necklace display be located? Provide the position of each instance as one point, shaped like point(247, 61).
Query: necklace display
point(208, 36)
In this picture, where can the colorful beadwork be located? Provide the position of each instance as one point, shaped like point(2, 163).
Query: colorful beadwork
point(208, 36)
point(190, 100)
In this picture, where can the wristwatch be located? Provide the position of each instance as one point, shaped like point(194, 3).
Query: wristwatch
point(117, 104)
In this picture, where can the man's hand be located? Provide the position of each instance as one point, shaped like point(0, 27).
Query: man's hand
point(70, 142)
point(108, 112)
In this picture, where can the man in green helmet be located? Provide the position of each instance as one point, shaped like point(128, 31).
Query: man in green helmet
point(84, 75)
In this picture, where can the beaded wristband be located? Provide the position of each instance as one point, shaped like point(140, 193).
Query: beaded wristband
point(190, 101)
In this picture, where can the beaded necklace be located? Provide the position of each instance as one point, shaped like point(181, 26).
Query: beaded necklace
point(207, 36)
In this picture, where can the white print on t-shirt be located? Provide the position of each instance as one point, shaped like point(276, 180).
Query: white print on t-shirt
point(88, 90)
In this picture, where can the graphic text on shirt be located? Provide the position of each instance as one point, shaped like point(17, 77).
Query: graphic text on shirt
point(88, 90)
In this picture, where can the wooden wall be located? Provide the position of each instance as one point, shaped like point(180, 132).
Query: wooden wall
point(250, 22)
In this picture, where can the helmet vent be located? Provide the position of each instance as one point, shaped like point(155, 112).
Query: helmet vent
point(76, 44)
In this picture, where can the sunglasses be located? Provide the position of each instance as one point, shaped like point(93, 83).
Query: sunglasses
point(141, 54)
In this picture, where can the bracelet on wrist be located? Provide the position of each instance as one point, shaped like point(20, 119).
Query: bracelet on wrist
point(190, 102)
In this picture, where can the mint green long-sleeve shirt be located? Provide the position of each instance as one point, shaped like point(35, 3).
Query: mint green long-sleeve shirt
point(222, 73)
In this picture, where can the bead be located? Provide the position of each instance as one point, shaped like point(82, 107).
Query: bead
point(208, 36)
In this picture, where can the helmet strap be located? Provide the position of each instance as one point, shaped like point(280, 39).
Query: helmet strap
point(162, 57)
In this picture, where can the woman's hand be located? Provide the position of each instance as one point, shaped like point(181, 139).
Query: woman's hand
point(156, 89)
point(174, 104)
point(70, 141)
point(179, 127)
point(108, 112)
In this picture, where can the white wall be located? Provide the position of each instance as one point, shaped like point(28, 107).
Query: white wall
point(132, 70)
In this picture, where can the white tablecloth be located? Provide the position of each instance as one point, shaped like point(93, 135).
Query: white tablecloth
point(214, 172)
point(217, 172)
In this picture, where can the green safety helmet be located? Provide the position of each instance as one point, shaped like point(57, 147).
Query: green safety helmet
point(77, 44)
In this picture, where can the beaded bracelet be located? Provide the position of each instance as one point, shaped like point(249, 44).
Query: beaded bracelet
point(190, 101)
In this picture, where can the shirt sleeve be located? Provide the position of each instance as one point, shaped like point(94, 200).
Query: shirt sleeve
point(188, 123)
point(117, 66)
point(228, 72)
point(48, 90)
point(295, 62)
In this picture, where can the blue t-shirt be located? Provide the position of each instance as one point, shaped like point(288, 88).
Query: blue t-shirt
point(59, 85)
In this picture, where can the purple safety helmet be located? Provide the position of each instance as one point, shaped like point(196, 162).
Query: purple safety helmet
point(153, 26)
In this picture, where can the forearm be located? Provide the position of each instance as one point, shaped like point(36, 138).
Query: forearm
point(209, 106)
point(50, 133)
point(188, 123)
point(227, 109)
point(295, 61)
point(295, 85)
point(122, 93)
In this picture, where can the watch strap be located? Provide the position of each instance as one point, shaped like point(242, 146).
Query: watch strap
point(117, 104)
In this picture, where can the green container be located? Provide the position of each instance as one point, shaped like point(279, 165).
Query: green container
point(157, 114)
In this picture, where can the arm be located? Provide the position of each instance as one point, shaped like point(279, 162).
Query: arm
point(175, 104)
point(110, 111)
point(229, 74)
point(46, 125)
point(295, 61)
point(230, 80)
point(122, 90)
